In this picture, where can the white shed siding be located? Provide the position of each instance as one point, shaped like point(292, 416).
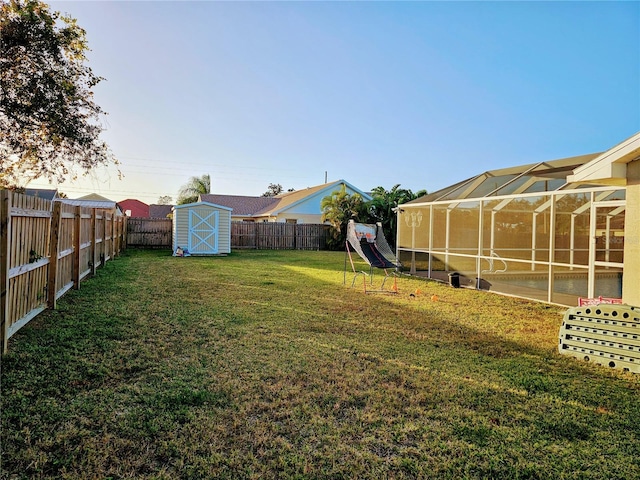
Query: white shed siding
point(180, 229)
point(224, 231)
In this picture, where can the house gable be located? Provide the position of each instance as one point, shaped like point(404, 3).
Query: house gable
point(299, 205)
point(610, 168)
point(95, 197)
point(134, 208)
point(308, 201)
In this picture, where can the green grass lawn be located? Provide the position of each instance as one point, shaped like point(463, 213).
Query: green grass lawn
point(264, 365)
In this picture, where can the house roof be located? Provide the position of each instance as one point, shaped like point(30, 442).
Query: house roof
point(241, 205)
point(159, 211)
point(530, 178)
point(81, 202)
point(95, 196)
point(290, 199)
point(271, 206)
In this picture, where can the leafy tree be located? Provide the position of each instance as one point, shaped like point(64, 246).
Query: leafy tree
point(195, 187)
point(418, 194)
point(383, 204)
point(165, 200)
point(273, 190)
point(276, 189)
point(338, 208)
point(49, 123)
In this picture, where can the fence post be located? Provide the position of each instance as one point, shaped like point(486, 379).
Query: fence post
point(5, 234)
point(116, 230)
point(94, 235)
point(109, 225)
point(52, 289)
point(113, 233)
point(124, 227)
point(103, 257)
point(77, 226)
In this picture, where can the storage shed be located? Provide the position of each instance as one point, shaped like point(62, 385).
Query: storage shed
point(201, 228)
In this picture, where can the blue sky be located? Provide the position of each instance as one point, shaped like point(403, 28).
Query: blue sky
point(421, 94)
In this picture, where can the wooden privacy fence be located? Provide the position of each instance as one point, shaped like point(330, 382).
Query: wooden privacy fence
point(47, 248)
point(149, 232)
point(157, 233)
point(279, 236)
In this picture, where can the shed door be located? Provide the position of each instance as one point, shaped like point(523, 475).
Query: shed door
point(203, 231)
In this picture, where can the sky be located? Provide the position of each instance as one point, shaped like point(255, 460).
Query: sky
point(421, 94)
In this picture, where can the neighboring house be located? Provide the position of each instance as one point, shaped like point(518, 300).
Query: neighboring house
point(160, 211)
point(244, 208)
point(556, 231)
point(92, 200)
point(301, 206)
point(134, 208)
point(95, 197)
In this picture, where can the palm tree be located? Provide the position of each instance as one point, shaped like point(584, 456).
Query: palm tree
point(191, 191)
point(338, 208)
point(383, 204)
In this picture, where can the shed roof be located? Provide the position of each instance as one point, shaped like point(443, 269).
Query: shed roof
point(198, 204)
